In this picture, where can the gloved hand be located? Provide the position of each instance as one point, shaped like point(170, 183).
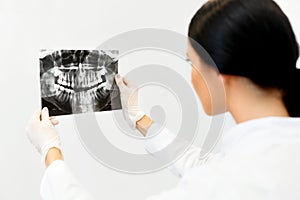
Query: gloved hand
point(129, 99)
point(41, 132)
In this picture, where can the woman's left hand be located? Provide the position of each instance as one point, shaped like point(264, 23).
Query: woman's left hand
point(129, 99)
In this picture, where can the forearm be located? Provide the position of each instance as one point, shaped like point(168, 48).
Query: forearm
point(59, 182)
point(52, 155)
point(186, 155)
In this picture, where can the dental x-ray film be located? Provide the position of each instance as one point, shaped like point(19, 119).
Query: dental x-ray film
point(79, 81)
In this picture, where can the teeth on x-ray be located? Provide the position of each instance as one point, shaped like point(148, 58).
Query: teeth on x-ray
point(78, 81)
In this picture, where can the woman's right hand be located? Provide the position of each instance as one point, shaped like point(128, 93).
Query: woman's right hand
point(129, 99)
point(42, 133)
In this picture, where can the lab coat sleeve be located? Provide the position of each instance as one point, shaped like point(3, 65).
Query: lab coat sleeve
point(159, 138)
point(59, 183)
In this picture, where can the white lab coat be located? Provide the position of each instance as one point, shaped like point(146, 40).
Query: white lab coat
point(259, 159)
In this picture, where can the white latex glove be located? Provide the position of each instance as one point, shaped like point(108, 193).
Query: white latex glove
point(129, 99)
point(41, 132)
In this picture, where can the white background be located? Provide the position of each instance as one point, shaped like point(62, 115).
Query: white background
point(27, 26)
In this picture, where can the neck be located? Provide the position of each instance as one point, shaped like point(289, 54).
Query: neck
point(248, 107)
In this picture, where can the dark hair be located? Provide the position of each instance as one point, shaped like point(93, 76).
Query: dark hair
point(253, 39)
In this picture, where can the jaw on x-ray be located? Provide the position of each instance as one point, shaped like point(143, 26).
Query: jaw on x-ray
point(79, 81)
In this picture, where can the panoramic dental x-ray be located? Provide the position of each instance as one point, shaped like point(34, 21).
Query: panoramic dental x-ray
point(79, 81)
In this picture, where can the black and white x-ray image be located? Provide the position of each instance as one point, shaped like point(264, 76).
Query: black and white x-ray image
point(79, 81)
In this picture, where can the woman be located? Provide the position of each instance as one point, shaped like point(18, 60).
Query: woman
point(255, 51)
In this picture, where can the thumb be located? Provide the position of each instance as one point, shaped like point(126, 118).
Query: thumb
point(45, 114)
point(120, 82)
